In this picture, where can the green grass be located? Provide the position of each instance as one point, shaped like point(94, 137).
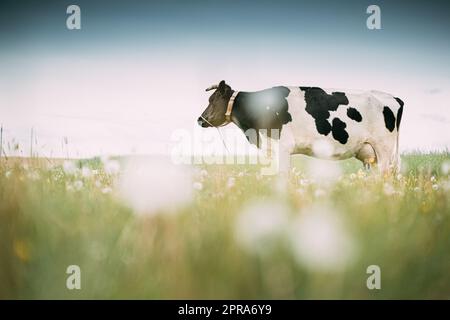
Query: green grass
point(48, 221)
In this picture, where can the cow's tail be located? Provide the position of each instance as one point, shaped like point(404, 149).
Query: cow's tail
point(396, 155)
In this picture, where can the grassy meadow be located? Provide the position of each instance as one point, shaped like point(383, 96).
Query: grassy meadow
point(221, 231)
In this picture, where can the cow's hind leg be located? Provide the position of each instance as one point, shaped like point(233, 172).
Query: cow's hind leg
point(367, 156)
point(386, 160)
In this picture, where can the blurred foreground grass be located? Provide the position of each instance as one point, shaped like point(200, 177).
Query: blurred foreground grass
point(238, 234)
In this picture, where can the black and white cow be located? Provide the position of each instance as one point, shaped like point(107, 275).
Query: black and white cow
point(322, 123)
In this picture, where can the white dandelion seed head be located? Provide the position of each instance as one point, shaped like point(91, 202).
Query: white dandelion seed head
point(111, 167)
point(320, 241)
point(197, 186)
point(106, 190)
point(388, 189)
point(149, 185)
point(33, 175)
point(78, 185)
point(445, 167)
point(86, 172)
point(319, 193)
point(324, 172)
point(231, 182)
point(69, 167)
point(260, 224)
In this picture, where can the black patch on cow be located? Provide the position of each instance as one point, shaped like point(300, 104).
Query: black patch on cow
point(319, 104)
point(266, 109)
point(389, 118)
point(399, 112)
point(339, 132)
point(354, 114)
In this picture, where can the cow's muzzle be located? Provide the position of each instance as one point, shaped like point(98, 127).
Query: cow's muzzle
point(202, 123)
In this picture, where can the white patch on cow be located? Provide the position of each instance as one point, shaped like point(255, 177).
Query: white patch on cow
point(301, 134)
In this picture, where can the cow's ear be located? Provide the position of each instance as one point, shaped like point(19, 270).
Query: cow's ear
point(222, 86)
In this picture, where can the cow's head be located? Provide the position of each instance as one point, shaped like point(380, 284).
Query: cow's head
point(214, 114)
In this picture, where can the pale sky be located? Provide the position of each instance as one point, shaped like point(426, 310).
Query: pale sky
point(128, 88)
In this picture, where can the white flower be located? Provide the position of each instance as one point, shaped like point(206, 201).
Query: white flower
point(445, 167)
point(106, 190)
point(112, 167)
point(78, 185)
point(86, 172)
point(304, 182)
point(69, 167)
point(435, 187)
point(388, 189)
point(197, 186)
point(260, 224)
point(324, 172)
point(8, 173)
point(33, 175)
point(230, 182)
point(320, 241)
point(153, 184)
point(319, 193)
point(433, 179)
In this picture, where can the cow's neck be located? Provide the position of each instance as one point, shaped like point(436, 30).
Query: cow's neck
point(266, 109)
point(261, 110)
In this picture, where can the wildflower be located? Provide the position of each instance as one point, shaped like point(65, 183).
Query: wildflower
point(320, 241)
point(86, 172)
point(388, 189)
point(197, 186)
point(151, 185)
point(435, 187)
point(69, 167)
point(445, 168)
point(230, 182)
point(433, 179)
point(319, 193)
point(21, 250)
point(112, 167)
point(106, 190)
point(33, 175)
point(304, 182)
point(260, 224)
point(78, 185)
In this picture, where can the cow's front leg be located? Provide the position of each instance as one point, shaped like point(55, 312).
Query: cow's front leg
point(284, 160)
